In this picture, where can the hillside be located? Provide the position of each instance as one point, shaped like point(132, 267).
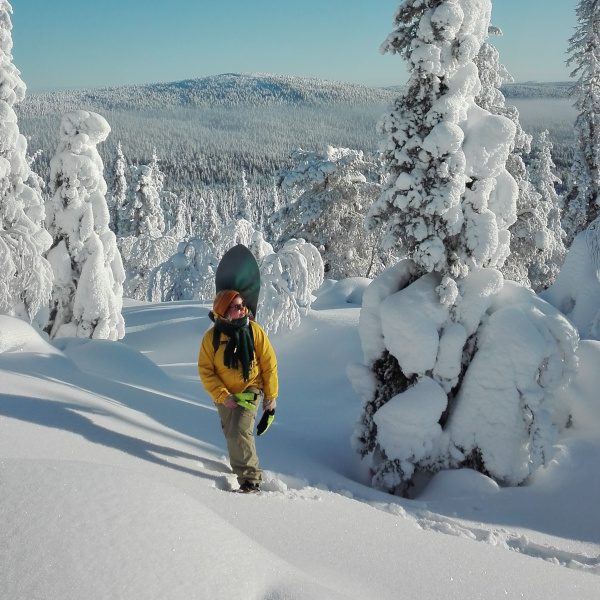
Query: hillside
point(226, 90)
point(207, 131)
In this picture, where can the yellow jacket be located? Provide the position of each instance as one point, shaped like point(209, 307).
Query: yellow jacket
point(220, 381)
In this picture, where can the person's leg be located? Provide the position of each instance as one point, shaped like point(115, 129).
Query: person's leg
point(238, 425)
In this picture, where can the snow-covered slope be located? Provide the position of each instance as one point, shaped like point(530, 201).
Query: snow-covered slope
point(226, 90)
point(115, 482)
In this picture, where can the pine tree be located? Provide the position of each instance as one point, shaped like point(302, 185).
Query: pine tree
point(431, 325)
point(244, 206)
point(118, 190)
point(87, 295)
point(25, 277)
point(549, 238)
point(433, 201)
point(144, 211)
point(582, 203)
point(528, 233)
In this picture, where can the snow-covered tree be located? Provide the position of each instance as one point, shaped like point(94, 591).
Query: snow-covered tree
point(288, 279)
point(25, 277)
point(448, 200)
point(144, 211)
point(431, 325)
point(87, 295)
point(244, 206)
point(550, 247)
point(335, 194)
point(582, 202)
point(118, 190)
point(526, 259)
point(187, 275)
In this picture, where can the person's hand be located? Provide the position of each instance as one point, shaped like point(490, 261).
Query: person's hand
point(269, 405)
point(230, 402)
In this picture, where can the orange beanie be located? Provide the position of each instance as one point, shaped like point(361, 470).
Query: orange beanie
point(222, 301)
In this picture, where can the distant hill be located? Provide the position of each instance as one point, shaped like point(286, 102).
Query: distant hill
point(227, 90)
point(534, 89)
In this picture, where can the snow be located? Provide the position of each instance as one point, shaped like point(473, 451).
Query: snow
point(576, 291)
point(115, 480)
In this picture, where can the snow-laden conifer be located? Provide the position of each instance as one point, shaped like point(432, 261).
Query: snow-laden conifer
point(144, 211)
point(582, 202)
point(336, 190)
point(550, 238)
point(430, 325)
point(25, 276)
point(87, 295)
point(530, 240)
point(118, 190)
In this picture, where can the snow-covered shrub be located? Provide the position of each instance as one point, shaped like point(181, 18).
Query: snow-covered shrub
point(336, 190)
point(502, 419)
point(87, 295)
point(188, 275)
point(25, 277)
point(506, 418)
point(288, 279)
point(448, 202)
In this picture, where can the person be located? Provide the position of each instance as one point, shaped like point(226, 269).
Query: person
point(238, 369)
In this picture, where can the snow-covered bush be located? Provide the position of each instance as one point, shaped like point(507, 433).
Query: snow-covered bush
point(25, 277)
point(87, 295)
point(288, 279)
point(502, 419)
point(429, 324)
point(188, 275)
point(336, 190)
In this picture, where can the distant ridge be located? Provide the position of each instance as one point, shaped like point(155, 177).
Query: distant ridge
point(234, 89)
point(226, 90)
point(534, 89)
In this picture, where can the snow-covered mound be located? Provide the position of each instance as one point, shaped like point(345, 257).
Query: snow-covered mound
point(18, 336)
point(334, 293)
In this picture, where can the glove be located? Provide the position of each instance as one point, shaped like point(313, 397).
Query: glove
point(230, 402)
point(265, 421)
point(269, 405)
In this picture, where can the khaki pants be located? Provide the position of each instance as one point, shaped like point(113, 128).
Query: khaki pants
point(238, 428)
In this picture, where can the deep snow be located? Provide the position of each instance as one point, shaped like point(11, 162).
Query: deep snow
point(114, 481)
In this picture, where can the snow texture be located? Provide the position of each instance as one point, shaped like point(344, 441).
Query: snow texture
point(114, 467)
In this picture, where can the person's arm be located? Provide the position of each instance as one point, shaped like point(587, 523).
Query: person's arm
point(206, 368)
point(267, 362)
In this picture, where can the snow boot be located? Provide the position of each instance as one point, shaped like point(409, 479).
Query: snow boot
point(247, 487)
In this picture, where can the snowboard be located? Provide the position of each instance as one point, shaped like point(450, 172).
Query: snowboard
point(238, 270)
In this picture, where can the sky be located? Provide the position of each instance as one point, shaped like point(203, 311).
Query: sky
point(90, 43)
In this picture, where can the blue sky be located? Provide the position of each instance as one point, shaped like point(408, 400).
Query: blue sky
point(92, 43)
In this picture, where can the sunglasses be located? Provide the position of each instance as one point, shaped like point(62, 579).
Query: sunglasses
point(239, 306)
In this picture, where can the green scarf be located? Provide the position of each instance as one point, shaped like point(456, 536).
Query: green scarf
point(240, 346)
